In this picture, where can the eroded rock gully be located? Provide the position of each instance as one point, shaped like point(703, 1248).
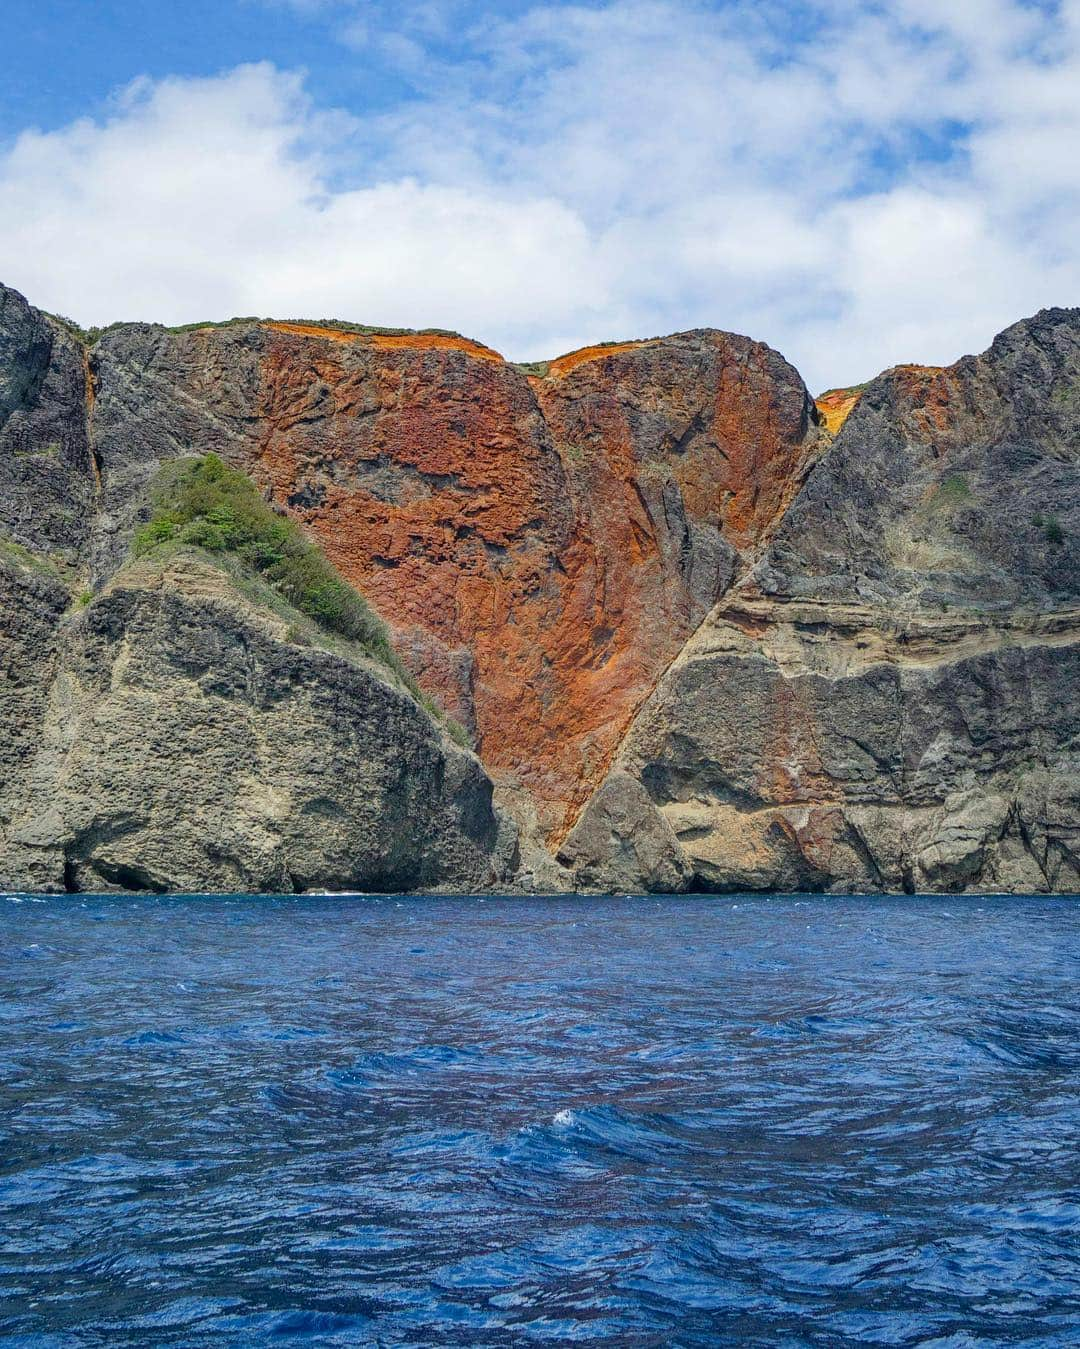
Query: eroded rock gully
point(701, 641)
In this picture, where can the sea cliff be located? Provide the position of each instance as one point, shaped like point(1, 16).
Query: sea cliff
point(702, 632)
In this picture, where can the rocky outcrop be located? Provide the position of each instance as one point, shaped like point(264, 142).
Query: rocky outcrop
point(541, 546)
point(949, 487)
point(806, 748)
point(48, 481)
point(705, 633)
point(33, 600)
point(192, 739)
point(887, 701)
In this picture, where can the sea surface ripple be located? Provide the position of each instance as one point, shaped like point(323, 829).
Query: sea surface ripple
point(701, 1121)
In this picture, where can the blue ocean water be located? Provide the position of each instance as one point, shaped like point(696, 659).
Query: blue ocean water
point(721, 1121)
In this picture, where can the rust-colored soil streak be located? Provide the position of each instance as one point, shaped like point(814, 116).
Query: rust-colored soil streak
point(313, 330)
point(432, 342)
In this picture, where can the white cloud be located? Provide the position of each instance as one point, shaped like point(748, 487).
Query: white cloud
point(206, 198)
point(589, 173)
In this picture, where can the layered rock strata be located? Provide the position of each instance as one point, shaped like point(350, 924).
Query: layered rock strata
point(888, 699)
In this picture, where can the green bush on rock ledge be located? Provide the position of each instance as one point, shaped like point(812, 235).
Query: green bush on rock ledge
point(209, 505)
point(205, 504)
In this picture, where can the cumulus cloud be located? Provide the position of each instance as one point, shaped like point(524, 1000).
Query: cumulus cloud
point(203, 198)
point(885, 183)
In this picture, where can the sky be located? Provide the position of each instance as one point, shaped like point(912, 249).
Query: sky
point(857, 182)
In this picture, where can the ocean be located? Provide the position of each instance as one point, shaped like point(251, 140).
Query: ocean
point(723, 1120)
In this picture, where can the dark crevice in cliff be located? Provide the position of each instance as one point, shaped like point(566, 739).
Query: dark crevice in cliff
point(127, 877)
point(697, 426)
point(863, 852)
point(1016, 819)
point(95, 460)
point(90, 388)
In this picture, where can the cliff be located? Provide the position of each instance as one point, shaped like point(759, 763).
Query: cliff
point(703, 633)
point(178, 734)
point(542, 546)
point(887, 699)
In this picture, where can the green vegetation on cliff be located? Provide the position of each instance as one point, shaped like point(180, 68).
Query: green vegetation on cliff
point(205, 504)
point(1051, 527)
point(89, 336)
point(53, 566)
point(952, 494)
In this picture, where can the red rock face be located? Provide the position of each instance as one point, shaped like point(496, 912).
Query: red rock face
point(680, 455)
point(427, 474)
point(542, 547)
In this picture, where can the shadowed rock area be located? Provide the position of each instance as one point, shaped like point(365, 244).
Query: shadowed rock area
point(701, 641)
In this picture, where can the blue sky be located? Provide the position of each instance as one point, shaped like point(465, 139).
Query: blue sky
point(61, 59)
point(858, 182)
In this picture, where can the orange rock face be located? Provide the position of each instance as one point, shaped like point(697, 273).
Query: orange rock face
point(835, 406)
point(680, 454)
point(426, 472)
point(542, 547)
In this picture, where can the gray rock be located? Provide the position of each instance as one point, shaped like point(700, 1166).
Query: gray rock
point(190, 744)
point(944, 486)
point(888, 698)
point(161, 395)
point(32, 604)
point(624, 843)
point(786, 751)
point(48, 482)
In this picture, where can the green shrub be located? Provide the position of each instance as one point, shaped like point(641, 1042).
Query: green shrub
point(953, 492)
point(1051, 528)
point(211, 506)
point(458, 734)
point(83, 598)
point(206, 504)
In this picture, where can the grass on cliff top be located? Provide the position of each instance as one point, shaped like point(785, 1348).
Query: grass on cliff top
point(334, 325)
point(88, 336)
point(845, 391)
point(205, 504)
